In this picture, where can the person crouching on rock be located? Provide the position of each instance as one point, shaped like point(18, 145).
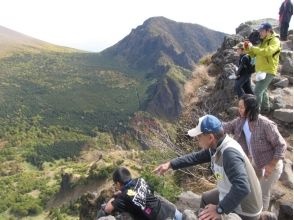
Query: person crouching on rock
point(137, 198)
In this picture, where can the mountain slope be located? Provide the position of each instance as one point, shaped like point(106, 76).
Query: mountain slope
point(165, 50)
point(12, 42)
point(160, 41)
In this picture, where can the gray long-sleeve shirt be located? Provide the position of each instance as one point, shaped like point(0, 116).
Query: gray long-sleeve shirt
point(234, 167)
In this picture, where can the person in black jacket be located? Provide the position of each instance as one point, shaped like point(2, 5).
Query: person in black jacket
point(245, 69)
point(135, 197)
point(286, 12)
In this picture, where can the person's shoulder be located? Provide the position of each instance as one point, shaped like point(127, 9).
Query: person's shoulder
point(238, 120)
point(275, 38)
point(265, 120)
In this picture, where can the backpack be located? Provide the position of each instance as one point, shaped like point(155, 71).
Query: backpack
point(254, 37)
point(251, 66)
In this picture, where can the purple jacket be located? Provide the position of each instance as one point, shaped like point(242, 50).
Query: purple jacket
point(266, 141)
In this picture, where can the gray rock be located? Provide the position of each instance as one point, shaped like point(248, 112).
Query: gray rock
point(287, 175)
point(230, 69)
point(282, 83)
point(287, 45)
point(244, 30)
point(276, 79)
point(188, 200)
point(284, 115)
point(285, 94)
point(226, 54)
point(290, 79)
point(165, 200)
point(189, 215)
point(286, 61)
point(278, 103)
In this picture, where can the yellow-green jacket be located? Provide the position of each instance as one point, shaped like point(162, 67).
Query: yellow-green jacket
point(267, 54)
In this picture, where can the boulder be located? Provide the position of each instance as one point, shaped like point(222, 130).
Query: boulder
point(286, 62)
point(226, 54)
point(284, 115)
point(278, 103)
point(244, 30)
point(287, 175)
point(230, 69)
point(282, 83)
point(282, 97)
point(188, 200)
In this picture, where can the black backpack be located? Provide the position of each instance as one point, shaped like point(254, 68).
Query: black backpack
point(254, 37)
point(251, 66)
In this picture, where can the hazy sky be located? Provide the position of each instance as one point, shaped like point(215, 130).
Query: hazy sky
point(97, 24)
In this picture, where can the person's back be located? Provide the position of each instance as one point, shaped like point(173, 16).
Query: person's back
point(285, 12)
point(136, 197)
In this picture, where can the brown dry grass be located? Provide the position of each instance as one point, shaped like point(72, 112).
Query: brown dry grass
point(199, 78)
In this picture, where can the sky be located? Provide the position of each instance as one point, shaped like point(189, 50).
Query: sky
point(94, 25)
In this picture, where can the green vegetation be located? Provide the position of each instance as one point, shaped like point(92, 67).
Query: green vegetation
point(70, 89)
point(60, 150)
point(25, 193)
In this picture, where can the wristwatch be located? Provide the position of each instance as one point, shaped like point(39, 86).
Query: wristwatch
point(219, 210)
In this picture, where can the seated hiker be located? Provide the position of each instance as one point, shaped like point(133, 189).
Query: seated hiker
point(238, 189)
point(136, 197)
point(245, 69)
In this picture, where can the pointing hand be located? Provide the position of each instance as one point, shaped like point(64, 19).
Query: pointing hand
point(161, 169)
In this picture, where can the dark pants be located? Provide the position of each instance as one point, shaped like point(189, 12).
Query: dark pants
point(212, 197)
point(284, 30)
point(243, 85)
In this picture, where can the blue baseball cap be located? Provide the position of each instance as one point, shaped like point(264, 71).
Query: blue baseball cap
point(207, 124)
point(265, 26)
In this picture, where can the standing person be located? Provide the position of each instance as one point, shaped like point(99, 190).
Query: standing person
point(261, 141)
point(267, 55)
point(238, 189)
point(136, 198)
point(243, 81)
point(285, 12)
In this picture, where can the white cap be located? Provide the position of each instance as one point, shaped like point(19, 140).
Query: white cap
point(206, 124)
point(196, 131)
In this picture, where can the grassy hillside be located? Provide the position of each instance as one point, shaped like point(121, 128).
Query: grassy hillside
point(69, 89)
point(12, 42)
